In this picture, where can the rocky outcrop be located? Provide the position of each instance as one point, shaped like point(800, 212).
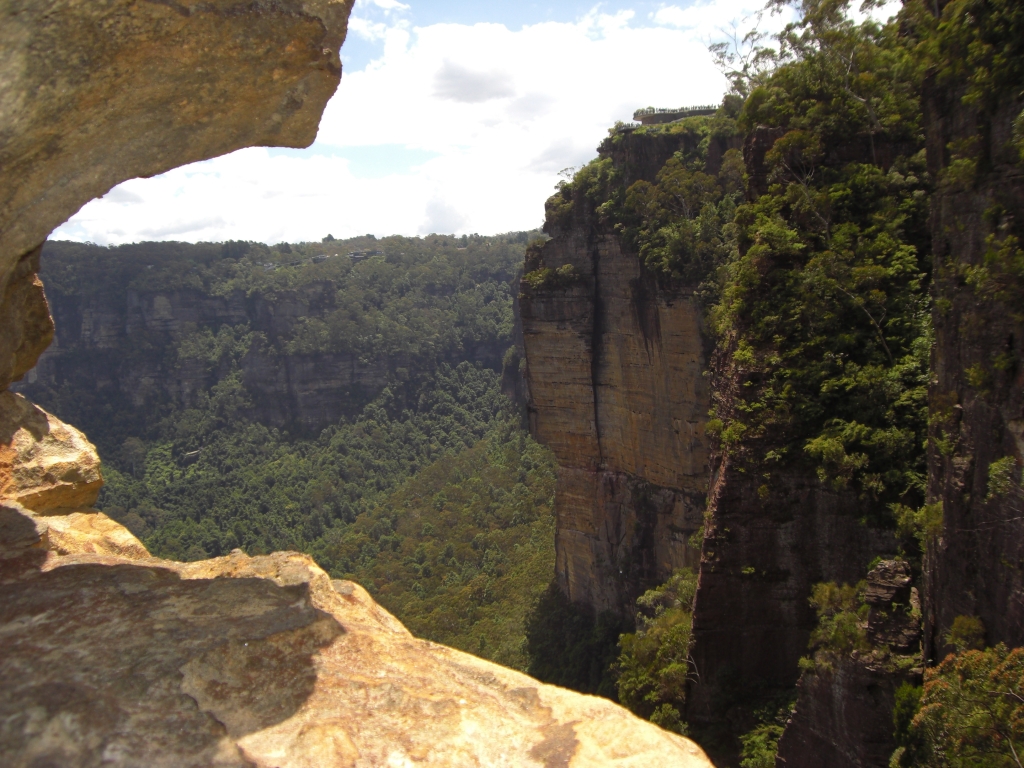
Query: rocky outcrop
point(615, 368)
point(92, 94)
point(844, 712)
point(45, 464)
point(974, 566)
point(762, 556)
point(259, 661)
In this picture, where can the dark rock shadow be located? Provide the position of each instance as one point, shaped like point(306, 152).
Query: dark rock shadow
point(133, 665)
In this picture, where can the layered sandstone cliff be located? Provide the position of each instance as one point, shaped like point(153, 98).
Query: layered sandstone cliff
point(615, 367)
point(622, 376)
point(131, 339)
point(121, 343)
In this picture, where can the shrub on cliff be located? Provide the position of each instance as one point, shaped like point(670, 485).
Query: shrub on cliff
point(842, 620)
point(824, 300)
point(653, 664)
point(971, 712)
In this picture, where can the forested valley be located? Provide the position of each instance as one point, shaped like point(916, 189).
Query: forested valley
point(397, 462)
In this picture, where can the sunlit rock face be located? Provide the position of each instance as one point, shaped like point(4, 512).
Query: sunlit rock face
point(262, 661)
point(45, 464)
point(615, 364)
point(92, 94)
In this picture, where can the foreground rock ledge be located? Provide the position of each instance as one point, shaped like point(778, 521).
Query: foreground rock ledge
point(262, 661)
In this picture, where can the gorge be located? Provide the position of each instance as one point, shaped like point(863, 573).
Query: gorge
point(773, 350)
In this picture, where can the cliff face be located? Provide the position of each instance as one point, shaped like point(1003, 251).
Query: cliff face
point(762, 555)
point(622, 376)
point(615, 368)
point(127, 338)
point(974, 566)
point(844, 711)
point(98, 341)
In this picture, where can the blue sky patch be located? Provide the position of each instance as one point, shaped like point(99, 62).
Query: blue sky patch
point(358, 52)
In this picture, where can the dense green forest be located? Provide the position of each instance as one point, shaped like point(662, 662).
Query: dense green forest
point(427, 490)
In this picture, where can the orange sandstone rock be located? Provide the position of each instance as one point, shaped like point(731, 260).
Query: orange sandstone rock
point(265, 661)
point(45, 464)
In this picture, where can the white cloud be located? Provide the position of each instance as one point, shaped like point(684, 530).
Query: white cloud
point(441, 217)
point(495, 114)
point(457, 83)
point(390, 5)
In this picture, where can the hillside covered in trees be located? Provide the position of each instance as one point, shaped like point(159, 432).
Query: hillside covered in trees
point(396, 462)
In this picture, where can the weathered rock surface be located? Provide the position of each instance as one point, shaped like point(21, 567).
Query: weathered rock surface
point(45, 464)
point(973, 567)
point(24, 318)
point(615, 371)
point(762, 556)
point(92, 94)
point(843, 717)
point(844, 712)
point(261, 661)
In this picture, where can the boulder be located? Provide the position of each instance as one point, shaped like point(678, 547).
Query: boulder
point(242, 661)
point(45, 464)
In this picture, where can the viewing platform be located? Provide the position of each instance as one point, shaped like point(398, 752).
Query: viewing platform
point(653, 116)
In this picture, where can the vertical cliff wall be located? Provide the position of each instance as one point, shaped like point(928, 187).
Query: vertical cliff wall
point(762, 555)
point(615, 364)
point(975, 566)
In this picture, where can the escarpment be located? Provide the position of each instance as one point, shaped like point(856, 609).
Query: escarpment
point(802, 267)
point(615, 365)
point(111, 655)
point(127, 339)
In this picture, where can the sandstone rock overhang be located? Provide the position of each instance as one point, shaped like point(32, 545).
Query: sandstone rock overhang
point(94, 93)
point(243, 661)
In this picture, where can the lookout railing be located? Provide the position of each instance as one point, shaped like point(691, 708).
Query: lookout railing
point(703, 109)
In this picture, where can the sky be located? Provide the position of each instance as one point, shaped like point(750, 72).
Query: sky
point(452, 116)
